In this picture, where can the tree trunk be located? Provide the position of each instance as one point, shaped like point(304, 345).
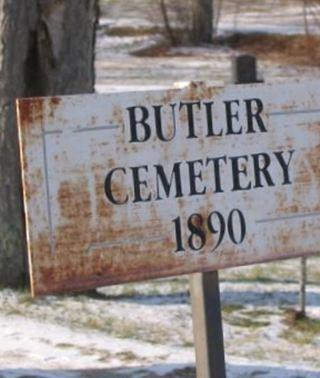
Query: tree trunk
point(202, 14)
point(167, 25)
point(46, 48)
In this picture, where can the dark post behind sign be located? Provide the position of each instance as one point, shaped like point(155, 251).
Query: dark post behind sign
point(204, 287)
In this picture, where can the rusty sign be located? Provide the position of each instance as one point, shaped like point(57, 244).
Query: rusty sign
point(131, 186)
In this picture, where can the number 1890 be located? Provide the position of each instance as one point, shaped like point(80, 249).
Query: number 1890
point(232, 226)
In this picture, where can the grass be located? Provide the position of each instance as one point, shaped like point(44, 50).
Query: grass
point(186, 372)
point(188, 344)
point(91, 323)
point(26, 299)
point(300, 330)
point(284, 271)
point(89, 351)
point(229, 309)
point(292, 49)
point(64, 345)
point(125, 329)
point(247, 322)
point(287, 49)
point(127, 356)
point(13, 312)
point(313, 276)
point(237, 316)
point(263, 273)
point(151, 288)
point(132, 31)
point(258, 313)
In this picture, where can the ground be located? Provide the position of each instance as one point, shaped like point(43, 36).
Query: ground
point(145, 329)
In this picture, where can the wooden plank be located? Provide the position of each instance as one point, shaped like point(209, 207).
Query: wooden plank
point(139, 185)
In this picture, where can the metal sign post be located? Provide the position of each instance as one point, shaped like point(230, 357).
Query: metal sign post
point(204, 287)
point(207, 325)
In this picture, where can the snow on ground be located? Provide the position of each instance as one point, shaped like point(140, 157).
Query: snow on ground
point(117, 70)
point(272, 16)
point(145, 329)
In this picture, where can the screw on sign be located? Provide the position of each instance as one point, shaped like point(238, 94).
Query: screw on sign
point(130, 186)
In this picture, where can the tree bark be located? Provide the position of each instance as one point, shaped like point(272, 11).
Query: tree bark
point(167, 24)
point(46, 48)
point(202, 21)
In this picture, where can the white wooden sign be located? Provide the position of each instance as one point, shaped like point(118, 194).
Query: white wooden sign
point(131, 186)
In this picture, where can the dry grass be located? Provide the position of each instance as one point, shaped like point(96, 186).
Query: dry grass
point(300, 330)
point(295, 49)
point(301, 50)
point(133, 31)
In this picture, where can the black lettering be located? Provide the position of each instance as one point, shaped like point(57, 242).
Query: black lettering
point(261, 162)
point(158, 122)
point(195, 224)
point(211, 132)
point(108, 190)
point(230, 115)
point(284, 165)
point(134, 122)
point(165, 183)
point(138, 183)
point(238, 170)
point(178, 234)
point(194, 176)
point(190, 113)
point(231, 226)
point(221, 228)
point(255, 116)
point(217, 172)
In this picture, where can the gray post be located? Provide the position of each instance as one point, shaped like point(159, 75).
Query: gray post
point(207, 325)
point(302, 289)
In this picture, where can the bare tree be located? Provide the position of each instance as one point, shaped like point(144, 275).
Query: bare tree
point(189, 21)
point(167, 24)
point(202, 29)
point(311, 14)
point(47, 48)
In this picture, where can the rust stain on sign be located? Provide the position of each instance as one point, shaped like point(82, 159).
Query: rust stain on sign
point(132, 186)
